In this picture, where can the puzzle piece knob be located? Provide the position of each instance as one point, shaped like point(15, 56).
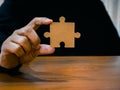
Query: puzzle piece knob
point(47, 34)
point(77, 35)
point(62, 19)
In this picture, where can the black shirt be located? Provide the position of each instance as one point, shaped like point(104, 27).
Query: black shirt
point(98, 34)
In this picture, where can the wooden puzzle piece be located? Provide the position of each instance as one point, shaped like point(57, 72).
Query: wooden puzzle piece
point(62, 32)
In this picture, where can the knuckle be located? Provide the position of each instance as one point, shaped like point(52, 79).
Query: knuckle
point(23, 39)
point(37, 41)
point(26, 30)
point(35, 19)
point(16, 49)
point(19, 51)
point(16, 31)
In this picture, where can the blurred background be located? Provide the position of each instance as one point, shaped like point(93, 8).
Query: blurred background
point(1, 1)
point(112, 6)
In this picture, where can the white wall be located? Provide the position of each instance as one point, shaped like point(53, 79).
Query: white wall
point(113, 8)
point(1, 1)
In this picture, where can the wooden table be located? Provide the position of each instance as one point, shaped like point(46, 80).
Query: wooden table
point(66, 73)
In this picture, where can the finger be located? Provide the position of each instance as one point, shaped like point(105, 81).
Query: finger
point(14, 48)
point(29, 57)
point(29, 30)
point(46, 49)
point(36, 22)
point(23, 41)
point(30, 34)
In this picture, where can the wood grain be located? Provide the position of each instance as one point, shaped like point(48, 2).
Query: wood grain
point(66, 73)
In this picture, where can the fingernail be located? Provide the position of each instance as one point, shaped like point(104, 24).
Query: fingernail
point(50, 20)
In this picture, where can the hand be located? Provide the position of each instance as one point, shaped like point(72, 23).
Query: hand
point(24, 45)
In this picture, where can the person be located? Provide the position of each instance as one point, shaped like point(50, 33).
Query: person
point(98, 34)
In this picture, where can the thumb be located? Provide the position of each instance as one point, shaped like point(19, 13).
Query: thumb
point(46, 49)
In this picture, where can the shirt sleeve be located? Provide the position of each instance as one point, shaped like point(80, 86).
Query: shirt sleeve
point(7, 21)
point(13, 71)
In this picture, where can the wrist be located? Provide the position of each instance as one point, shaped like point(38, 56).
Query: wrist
point(12, 71)
point(8, 60)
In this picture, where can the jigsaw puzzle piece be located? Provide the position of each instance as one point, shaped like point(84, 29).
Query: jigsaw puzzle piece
point(62, 32)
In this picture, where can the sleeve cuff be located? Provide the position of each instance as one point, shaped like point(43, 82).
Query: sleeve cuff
point(12, 71)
